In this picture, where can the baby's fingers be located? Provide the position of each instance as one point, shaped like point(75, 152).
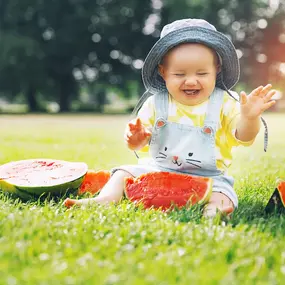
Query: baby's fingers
point(128, 134)
point(269, 95)
point(242, 98)
point(265, 90)
point(126, 137)
point(268, 105)
point(132, 126)
point(138, 123)
point(135, 124)
point(256, 91)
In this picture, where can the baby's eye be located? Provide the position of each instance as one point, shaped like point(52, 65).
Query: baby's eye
point(179, 74)
point(202, 73)
point(190, 153)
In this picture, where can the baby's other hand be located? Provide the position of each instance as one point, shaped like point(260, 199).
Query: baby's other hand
point(136, 134)
point(259, 100)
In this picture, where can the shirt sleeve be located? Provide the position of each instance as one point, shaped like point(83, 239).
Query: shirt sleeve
point(231, 115)
point(147, 116)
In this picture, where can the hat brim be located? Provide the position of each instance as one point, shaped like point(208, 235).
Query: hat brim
point(213, 39)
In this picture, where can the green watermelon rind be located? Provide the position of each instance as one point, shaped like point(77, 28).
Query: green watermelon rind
point(27, 192)
point(30, 192)
point(208, 193)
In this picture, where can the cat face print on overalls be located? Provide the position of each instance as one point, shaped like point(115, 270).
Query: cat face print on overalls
point(176, 160)
point(185, 148)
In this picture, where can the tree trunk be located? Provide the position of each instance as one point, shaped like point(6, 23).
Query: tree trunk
point(67, 91)
point(101, 100)
point(31, 99)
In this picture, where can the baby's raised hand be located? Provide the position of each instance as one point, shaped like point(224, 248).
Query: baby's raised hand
point(259, 100)
point(136, 134)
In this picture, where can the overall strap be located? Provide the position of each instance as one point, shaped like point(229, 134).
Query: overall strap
point(142, 99)
point(161, 105)
point(214, 109)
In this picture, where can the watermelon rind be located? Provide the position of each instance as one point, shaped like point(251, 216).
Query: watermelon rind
point(208, 193)
point(277, 199)
point(31, 191)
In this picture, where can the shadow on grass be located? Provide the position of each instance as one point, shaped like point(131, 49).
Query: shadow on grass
point(253, 214)
point(186, 214)
point(250, 213)
point(39, 200)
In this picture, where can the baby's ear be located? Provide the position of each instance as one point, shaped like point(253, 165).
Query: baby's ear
point(161, 70)
point(219, 68)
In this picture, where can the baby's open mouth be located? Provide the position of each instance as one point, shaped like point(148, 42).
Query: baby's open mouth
point(191, 91)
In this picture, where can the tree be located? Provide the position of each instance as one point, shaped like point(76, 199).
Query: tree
point(52, 47)
point(61, 36)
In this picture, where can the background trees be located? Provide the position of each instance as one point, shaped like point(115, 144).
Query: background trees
point(51, 50)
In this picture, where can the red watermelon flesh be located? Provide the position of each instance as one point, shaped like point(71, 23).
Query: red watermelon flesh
point(94, 181)
point(165, 189)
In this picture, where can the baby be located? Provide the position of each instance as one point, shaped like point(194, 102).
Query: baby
point(188, 119)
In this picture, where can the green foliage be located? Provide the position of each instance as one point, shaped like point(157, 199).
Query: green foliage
point(41, 242)
point(52, 48)
point(47, 41)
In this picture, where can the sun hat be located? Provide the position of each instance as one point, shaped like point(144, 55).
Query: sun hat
point(191, 31)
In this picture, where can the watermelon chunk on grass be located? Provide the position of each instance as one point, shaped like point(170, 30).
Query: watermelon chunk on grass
point(35, 177)
point(277, 199)
point(94, 181)
point(164, 189)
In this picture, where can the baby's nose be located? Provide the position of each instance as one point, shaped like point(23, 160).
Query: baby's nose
point(175, 157)
point(191, 81)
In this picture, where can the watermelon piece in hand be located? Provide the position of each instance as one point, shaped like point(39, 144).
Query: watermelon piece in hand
point(166, 189)
point(35, 177)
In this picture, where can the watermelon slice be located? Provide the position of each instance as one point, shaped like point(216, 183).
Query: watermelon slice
point(34, 177)
point(277, 200)
point(94, 181)
point(164, 189)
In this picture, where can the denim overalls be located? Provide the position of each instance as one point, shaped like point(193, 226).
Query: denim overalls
point(186, 149)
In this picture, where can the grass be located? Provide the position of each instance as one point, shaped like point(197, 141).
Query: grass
point(43, 243)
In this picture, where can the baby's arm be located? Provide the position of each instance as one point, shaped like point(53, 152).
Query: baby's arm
point(252, 106)
point(138, 131)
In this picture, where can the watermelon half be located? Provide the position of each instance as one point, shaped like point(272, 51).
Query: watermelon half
point(277, 199)
point(164, 190)
point(35, 177)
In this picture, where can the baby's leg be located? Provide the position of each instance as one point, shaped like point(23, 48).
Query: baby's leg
point(111, 192)
point(219, 203)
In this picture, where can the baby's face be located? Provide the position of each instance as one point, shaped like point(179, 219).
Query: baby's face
point(189, 71)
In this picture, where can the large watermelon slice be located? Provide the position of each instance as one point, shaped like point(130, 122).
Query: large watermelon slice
point(164, 189)
point(34, 177)
point(277, 200)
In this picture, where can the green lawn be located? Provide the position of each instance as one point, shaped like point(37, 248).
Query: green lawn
point(43, 243)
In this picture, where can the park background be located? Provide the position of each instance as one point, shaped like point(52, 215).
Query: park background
point(86, 55)
point(69, 77)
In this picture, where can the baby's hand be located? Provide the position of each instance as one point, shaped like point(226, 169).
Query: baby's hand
point(259, 100)
point(136, 134)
